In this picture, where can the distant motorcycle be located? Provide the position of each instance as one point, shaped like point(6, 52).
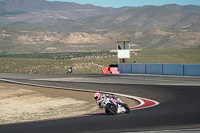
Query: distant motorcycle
point(113, 107)
point(69, 70)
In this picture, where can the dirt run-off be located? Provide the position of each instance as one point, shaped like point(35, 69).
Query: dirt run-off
point(19, 103)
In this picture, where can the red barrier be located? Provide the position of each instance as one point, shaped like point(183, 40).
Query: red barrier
point(114, 70)
point(105, 70)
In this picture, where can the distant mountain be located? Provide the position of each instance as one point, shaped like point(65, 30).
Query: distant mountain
point(49, 15)
point(42, 26)
point(184, 9)
point(144, 17)
point(33, 11)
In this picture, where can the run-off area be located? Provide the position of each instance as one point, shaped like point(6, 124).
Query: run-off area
point(20, 103)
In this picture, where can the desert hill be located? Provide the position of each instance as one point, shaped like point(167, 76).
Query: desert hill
point(42, 26)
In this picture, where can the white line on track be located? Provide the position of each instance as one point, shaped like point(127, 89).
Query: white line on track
point(170, 131)
point(123, 95)
point(139, 99)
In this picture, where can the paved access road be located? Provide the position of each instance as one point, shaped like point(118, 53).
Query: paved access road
point(179, 99)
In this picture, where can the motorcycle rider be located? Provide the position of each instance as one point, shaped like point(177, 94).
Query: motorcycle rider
point(100, 99)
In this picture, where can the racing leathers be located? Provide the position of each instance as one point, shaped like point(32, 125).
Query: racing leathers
point(102, 100)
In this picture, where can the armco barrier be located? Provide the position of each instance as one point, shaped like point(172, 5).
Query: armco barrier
point(162, 69)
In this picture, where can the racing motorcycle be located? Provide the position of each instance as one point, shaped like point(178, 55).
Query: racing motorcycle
point(112, 106)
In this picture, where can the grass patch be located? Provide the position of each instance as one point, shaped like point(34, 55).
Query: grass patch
point(181, 56)
point(91, 64)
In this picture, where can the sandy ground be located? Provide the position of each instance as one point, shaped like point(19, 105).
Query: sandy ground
point(19, 103)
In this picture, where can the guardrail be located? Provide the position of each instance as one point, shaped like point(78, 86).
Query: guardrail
point(160, 69)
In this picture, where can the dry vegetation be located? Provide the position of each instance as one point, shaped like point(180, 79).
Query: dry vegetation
point(24, 103)
point(91, 62)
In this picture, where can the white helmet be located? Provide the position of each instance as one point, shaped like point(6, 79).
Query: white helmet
point(97, 96)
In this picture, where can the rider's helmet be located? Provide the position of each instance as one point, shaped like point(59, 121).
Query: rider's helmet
point(97, 96)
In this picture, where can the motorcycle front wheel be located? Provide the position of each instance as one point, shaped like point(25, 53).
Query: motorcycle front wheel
point(127, 108)
point(110, 109)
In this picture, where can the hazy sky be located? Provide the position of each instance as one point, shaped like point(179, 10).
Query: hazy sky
point(120, 3)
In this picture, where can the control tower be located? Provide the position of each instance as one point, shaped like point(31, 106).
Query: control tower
point(123, 50)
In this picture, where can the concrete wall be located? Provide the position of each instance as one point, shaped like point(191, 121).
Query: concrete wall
point(192, 69)
point(162, 69)
point(173, 69)
point(154, 68)
point(125, 68)
point(138, 68)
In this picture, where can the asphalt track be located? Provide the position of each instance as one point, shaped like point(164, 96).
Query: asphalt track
point(178, 111)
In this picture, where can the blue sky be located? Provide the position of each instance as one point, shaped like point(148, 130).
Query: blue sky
point(135, 3)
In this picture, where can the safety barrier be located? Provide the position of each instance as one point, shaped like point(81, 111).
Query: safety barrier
point(114, 70)
point(105, 70)
point(161, 69)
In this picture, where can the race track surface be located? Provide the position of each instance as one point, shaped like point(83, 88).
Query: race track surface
point(179, 99)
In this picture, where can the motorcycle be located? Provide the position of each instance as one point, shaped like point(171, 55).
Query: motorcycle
point(69, 71)
point(112, 106)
